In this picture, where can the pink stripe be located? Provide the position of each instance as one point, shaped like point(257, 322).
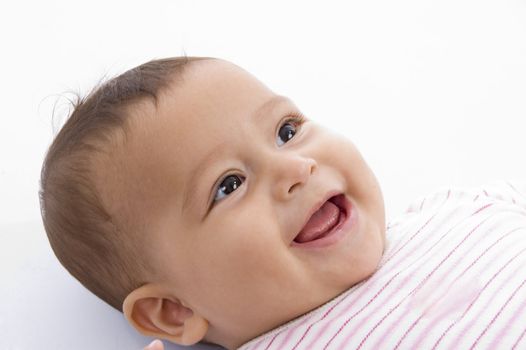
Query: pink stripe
point(257, 344)
point(482, 208)
point(422, 204)
point(519, 339)
point(269, 344)
point(375, 326)
point(348, 308)
point(474, 300)
point(311, 325)
point(388, 259)
point(350, 318)
point(417, 244)
point(513, 187)
point(508, 324)
point(497, 315)
point(343, 298)
point(290, 331)
point(273, 338)
point(415, 248)
point(338, 332)
point(433, 324)
point(410, 329)
point(415, 289)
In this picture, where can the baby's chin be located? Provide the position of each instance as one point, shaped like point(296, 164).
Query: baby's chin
point(369, 258)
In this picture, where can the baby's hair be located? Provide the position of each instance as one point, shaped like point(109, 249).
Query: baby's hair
point(91, 244)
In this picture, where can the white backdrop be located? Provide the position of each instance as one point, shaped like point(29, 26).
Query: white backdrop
point(432, 92)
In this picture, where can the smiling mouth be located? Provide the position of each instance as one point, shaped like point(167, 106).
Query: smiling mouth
point(325, 221)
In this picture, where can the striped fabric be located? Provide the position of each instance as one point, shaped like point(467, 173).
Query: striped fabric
point(452, 276)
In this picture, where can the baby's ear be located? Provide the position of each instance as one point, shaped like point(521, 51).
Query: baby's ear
point(154, 313)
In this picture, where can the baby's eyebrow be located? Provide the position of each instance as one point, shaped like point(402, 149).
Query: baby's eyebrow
point(270, 105)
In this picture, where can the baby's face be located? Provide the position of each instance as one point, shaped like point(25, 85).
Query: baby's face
point(232, 180)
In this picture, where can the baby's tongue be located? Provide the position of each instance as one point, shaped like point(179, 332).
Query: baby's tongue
point(320, 222)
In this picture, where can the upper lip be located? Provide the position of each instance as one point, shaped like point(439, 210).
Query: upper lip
point(315, 208)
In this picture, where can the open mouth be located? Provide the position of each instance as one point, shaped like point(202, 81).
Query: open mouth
point(325, 221)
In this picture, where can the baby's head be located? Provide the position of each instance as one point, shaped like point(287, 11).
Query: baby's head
point(181, 191)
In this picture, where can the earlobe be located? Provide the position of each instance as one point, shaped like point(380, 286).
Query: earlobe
point(154, 313)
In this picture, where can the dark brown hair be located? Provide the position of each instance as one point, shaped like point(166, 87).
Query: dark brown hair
point(103, 255)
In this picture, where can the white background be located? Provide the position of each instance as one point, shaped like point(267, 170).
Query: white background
point(432, 92)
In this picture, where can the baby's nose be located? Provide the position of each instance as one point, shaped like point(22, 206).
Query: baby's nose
point(291, 173)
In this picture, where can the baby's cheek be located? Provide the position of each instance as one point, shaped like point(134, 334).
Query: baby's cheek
point(250, 250)
point(337, 150)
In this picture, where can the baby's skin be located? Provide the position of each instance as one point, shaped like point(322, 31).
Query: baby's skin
point(236, 187)
point(155, 345)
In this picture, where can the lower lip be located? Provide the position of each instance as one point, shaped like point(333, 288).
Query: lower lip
point(347, 223)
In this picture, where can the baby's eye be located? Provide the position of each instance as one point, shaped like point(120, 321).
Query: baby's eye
point(288, 129)
point(227, 186)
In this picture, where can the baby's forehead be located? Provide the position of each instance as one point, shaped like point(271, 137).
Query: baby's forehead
point(186, 127)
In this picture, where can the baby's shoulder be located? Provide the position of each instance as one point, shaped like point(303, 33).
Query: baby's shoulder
point(510, 194)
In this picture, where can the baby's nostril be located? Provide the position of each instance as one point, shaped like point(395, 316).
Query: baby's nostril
point(293, 187)
point(312, 168)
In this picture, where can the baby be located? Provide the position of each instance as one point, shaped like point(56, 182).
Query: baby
point(204, 206)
